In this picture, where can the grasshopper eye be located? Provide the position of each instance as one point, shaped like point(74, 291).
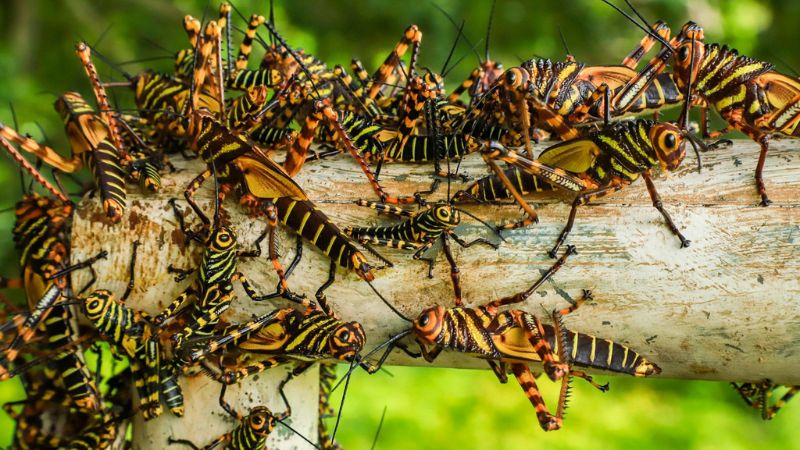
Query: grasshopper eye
point(511, 77)
point(669, 141)
point(683, 53)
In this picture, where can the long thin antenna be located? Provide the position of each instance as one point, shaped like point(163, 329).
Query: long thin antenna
point(564, 41)
point(450, 18)
point(297, 433)
point(453, 48)
point(383, 299)
point(646, 29)
point(378, 431)
point(489, 30)
point(686, 108)
point(294, 55)
point(272, 19)
point(110, 63)
point(353, 363)
point(390, 343)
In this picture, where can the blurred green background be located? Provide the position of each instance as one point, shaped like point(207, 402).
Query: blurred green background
point(427, 408)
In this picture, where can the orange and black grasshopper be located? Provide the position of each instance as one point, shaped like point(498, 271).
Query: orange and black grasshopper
point(516, 338)
point(37, 424)
point(556, 96)
point(92, 146)
point(598, 164)
point(751, 96)
point(747, 93)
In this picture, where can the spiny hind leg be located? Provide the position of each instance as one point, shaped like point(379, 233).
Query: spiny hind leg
point(547, 421)
point(534, 332)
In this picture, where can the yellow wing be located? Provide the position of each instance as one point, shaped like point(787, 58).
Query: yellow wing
point(513, 344)
point(266, 179)
point(613, 76)
point(780, 89)
point(576, 155)
point(269, 339)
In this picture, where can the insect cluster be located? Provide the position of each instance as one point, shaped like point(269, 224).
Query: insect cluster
point(253, 127)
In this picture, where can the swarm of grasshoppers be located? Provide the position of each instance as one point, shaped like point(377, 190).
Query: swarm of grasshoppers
point(254, 130)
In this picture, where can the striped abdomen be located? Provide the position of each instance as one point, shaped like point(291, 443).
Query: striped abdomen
point(490, 188)
point(588, 351)
point(249, 78)
point(157, 95)
point(423, 226)
point(461, 329)
point(424, 148)
point(268, 136)
point(216, 143)
point(38, 233)
point(312, 224)
point(661, 92)
point(243, 109)
point(113, 320)
point(171, 391)
point(723, 74)
point(71, 365)
point(362, 132)
point(107, 172)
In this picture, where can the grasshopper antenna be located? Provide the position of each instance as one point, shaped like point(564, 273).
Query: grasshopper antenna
point(564, 42)
point(385, 301)
point(646, 29)
point(389, 344)
point(452, 21)
point(280, 39)
point(378, 431)
point(110, 63)
point(272, 19)
point(452, 49)
point(489, 30)
point(297, 433)
point(353, 363)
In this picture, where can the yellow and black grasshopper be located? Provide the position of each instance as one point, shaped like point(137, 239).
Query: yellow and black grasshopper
point(41, 235)
point(598, 164)
point(749, 94)
point(424, 228)
point(281, 336)
point(253, 429)
point(134, 334)
point(557, 96)
point(757, 396)
point(36, 419)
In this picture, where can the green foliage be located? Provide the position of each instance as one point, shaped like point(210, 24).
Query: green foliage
point(428, 408)
point(450, 408)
